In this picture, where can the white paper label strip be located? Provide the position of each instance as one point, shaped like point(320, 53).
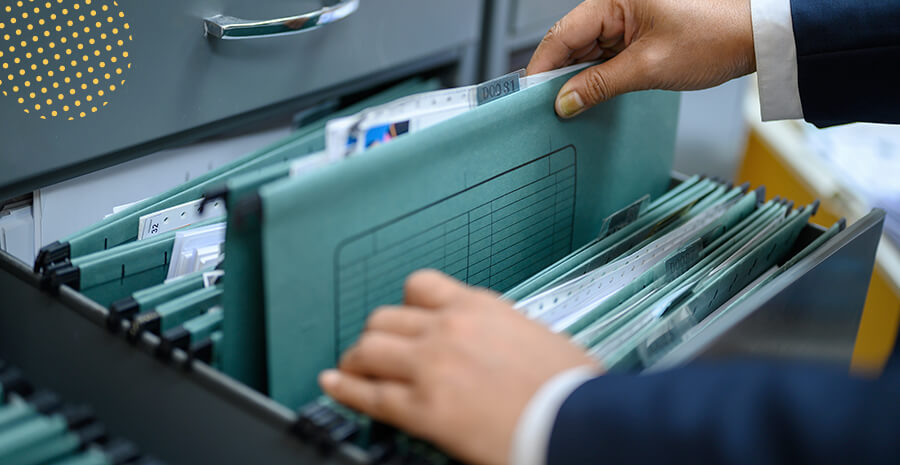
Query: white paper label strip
point(178, 217)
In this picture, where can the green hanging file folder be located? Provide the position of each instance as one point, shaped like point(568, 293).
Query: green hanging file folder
point(490, 197)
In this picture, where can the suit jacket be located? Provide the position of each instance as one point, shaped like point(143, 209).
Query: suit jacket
point(735, 413)
point(848, 58)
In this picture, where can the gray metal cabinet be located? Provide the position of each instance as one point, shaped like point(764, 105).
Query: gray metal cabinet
point(514, 28)
point(163, 79)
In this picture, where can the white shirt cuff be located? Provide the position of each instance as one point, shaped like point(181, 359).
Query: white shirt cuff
point(532, 435)
point(776, 59)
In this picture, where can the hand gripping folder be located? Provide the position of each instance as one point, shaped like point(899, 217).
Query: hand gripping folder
point(491, 197)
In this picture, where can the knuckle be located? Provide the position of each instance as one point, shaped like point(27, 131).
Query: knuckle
point(360, 354)
point(484, 293)
point(377, 316)
point(455, 324)
point(421, 280)
point(650, 59)
point(554, 31)
point(378, 404)
point(597, 86)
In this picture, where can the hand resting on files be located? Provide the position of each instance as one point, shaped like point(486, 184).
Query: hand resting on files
point(667, 44)
point(455, 365)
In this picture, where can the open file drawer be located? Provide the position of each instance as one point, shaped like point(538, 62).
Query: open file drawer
point(185, 412)
point(93, 83)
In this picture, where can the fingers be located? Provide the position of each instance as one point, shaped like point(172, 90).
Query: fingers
point(589, 22)
point(620, 74)
point(431, 289)
point(402, 321)
point(386, 401)
point(381, 355)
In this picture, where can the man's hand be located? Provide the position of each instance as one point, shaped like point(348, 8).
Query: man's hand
point(649, 44)
point(455, 365)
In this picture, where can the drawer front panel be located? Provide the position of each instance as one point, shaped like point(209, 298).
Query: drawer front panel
point(166, 76)
point(536, 16)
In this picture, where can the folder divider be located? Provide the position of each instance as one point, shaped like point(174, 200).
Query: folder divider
point(147, 299)
point(593, 326)
point(114, 274)
point(171, 314)
point(552, 274)
point(650, 342)
point(560, 305)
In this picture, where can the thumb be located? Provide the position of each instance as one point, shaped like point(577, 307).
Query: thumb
point(599, 83)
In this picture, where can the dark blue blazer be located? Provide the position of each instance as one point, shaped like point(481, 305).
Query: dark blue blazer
point(848, 57)
point(753, 413)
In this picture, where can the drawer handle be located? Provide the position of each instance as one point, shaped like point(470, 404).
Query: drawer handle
point(230, 28)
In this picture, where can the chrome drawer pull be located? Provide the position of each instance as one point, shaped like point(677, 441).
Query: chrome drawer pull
point(230, 28)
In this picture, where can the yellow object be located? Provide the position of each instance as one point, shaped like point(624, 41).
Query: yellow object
point(85, 41)
point(764, 165)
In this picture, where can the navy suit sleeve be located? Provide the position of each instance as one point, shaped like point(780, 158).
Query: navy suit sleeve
point(848, 58)
point(742, 413)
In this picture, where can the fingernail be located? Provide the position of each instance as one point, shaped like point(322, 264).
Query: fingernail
point(328, 379)
point(569, 104)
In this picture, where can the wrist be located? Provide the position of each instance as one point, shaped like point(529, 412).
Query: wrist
point(531, 435)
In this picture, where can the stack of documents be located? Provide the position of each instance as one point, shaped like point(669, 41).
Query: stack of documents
point(39, 428)
point(158, 264)
point(631, 295)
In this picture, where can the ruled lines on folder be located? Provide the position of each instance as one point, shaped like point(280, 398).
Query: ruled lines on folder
point(493, 234)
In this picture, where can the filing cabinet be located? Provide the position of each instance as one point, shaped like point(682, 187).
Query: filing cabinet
point(514, 28)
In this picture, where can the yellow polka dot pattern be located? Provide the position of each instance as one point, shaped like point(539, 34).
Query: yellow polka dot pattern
point(62, 58)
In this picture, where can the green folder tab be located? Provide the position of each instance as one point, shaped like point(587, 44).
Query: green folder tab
point(122, 227)
point(490, 197)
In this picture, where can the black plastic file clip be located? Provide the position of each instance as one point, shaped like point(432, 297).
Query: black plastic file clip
point(50, 254)
point(760, 195)
point(44, 402)
point(77, 416)
point(13, 381)
point(91, 433)
point(324, 427)
point(150, 321)
point(202, 350)
point(790, 207)
point(382, 446)
point(48, 270)
point(120, 451)
point(120, 310)
point(175, 338)
point(68, 275)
